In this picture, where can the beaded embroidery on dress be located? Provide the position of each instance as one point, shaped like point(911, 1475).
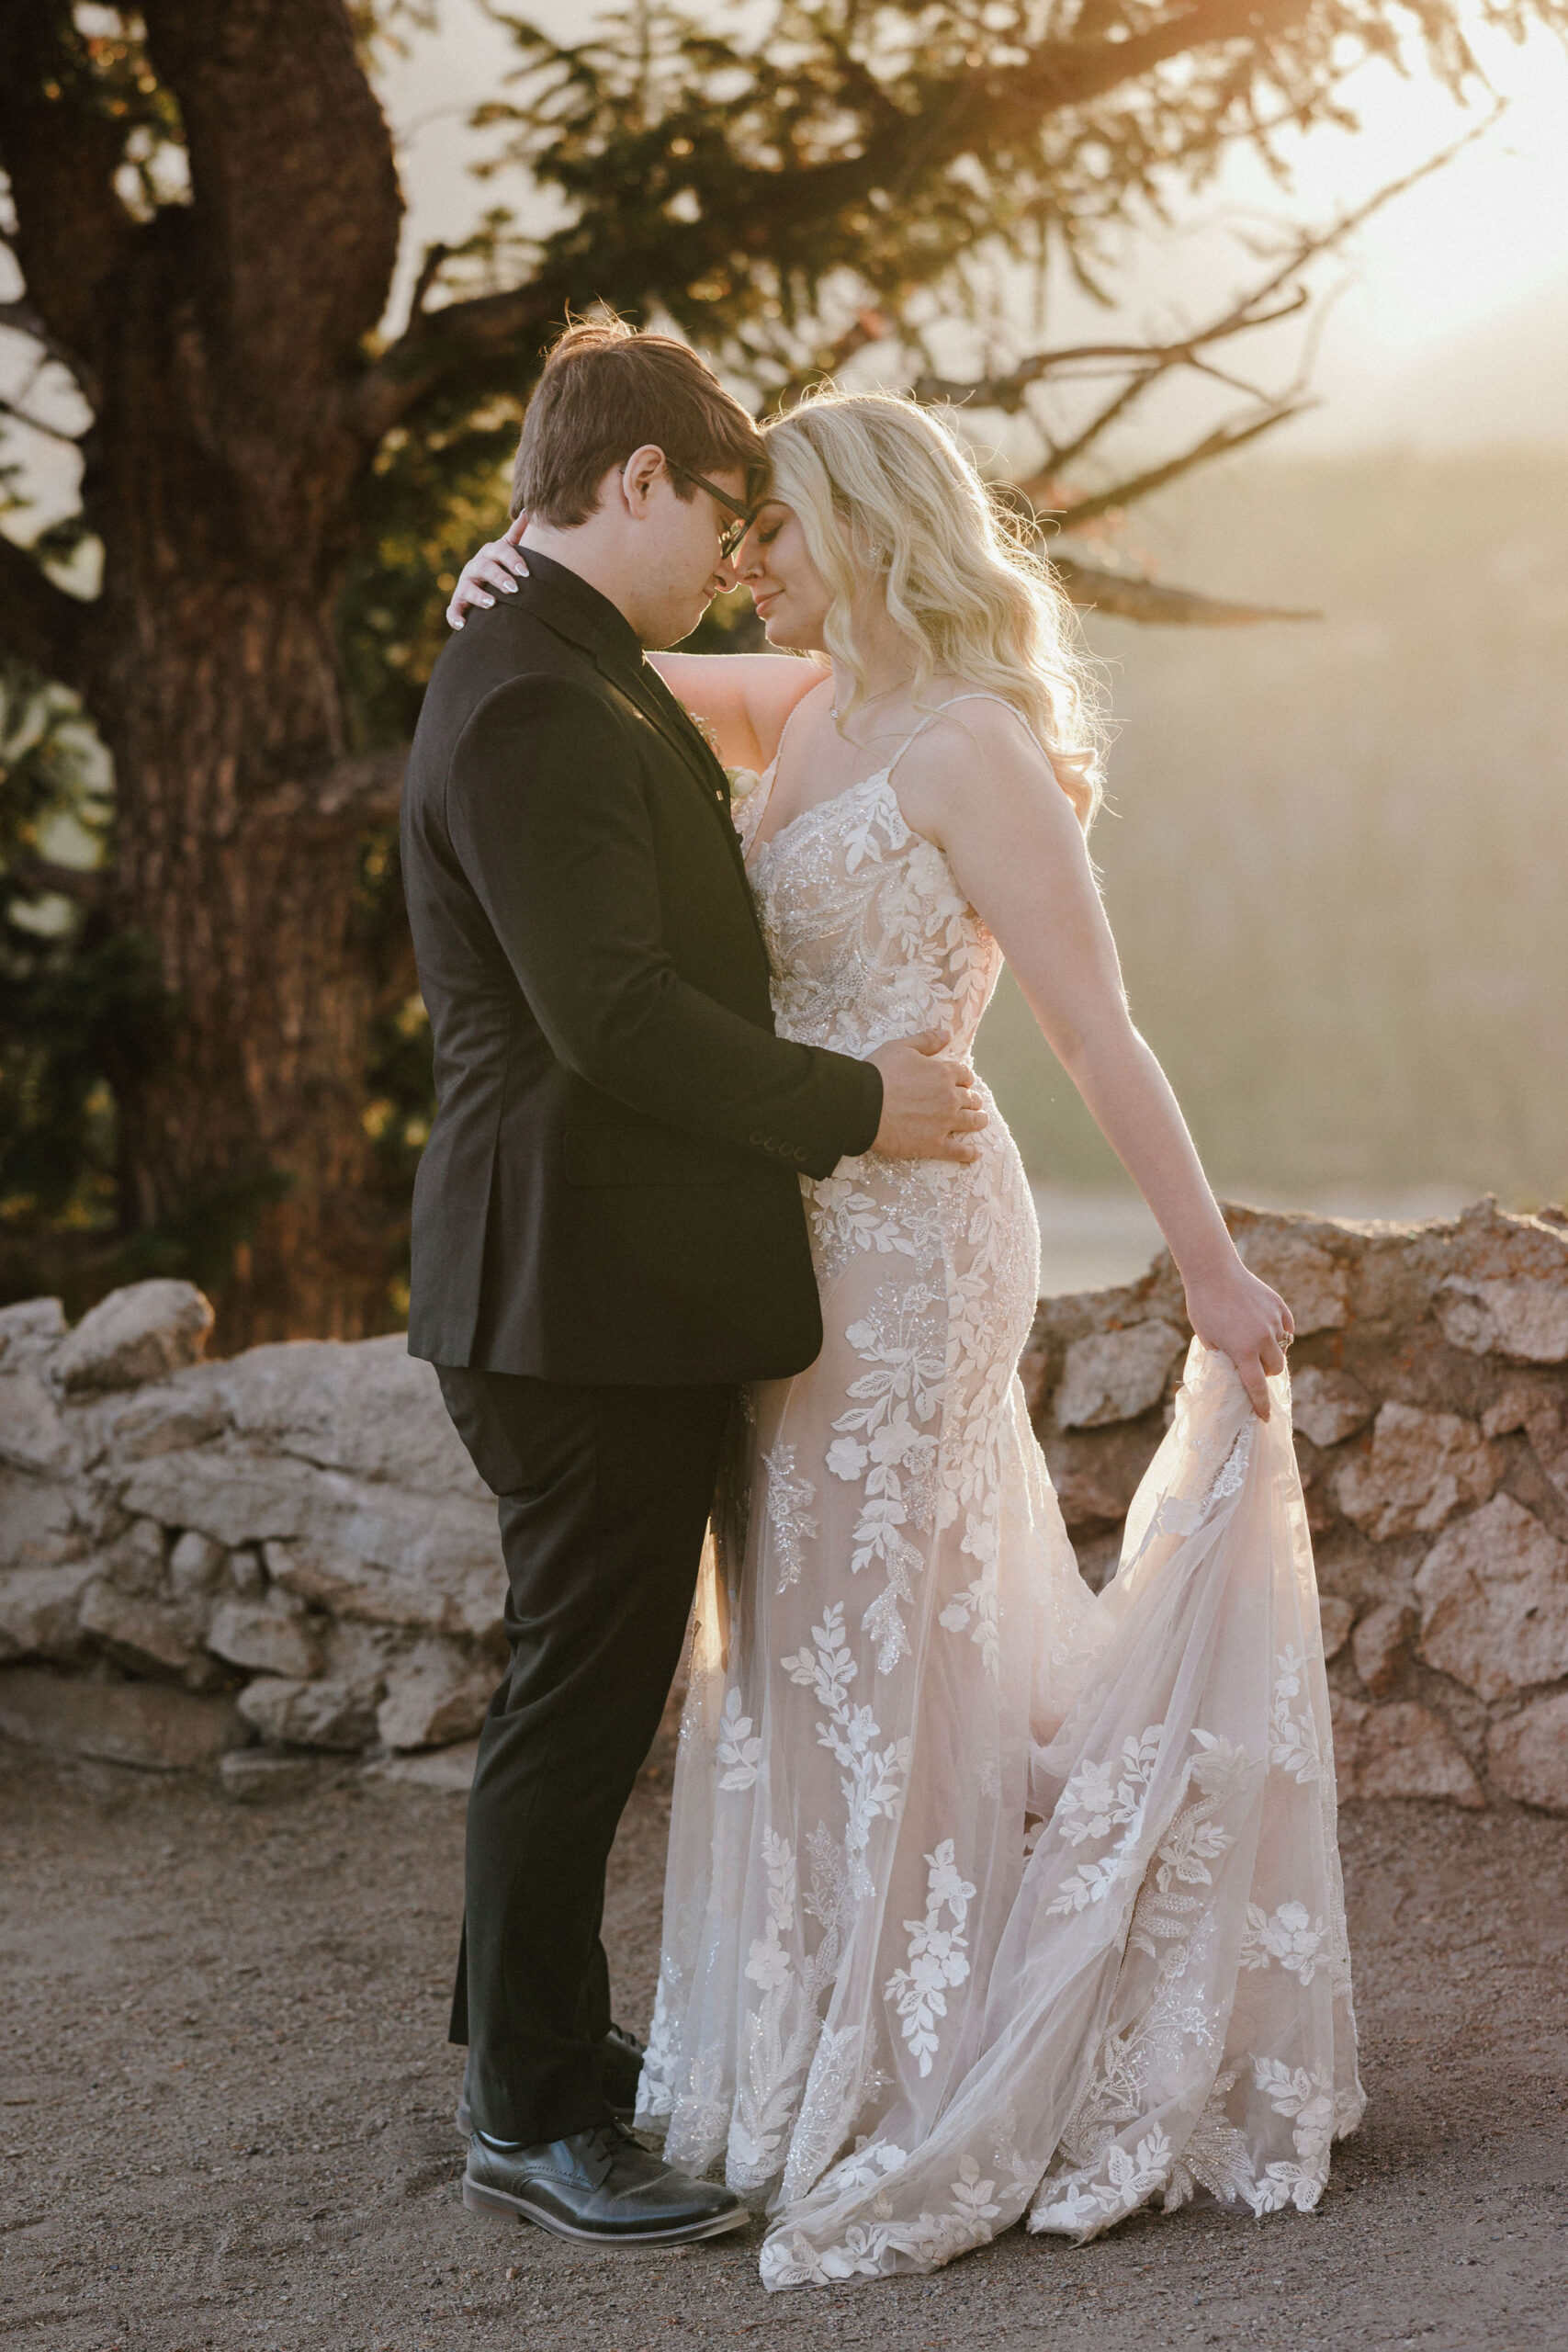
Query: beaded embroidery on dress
point(985, 1894)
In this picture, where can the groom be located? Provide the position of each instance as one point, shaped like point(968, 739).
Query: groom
point(608, 1229)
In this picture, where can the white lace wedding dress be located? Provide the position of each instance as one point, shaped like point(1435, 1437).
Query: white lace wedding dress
point(901, 2010)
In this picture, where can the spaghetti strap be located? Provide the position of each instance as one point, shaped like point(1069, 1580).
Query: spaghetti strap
point(942, 711)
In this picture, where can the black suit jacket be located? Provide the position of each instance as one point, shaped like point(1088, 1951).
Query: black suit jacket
point(610, 1188)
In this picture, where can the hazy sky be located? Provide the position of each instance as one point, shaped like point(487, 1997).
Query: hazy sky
point(1451, 326)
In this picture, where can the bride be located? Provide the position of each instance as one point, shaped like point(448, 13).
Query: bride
point(986, 1897)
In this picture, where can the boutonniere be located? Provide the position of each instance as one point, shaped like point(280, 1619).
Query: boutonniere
point(742, 782)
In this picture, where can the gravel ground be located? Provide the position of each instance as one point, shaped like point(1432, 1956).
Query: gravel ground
point(227, 2100)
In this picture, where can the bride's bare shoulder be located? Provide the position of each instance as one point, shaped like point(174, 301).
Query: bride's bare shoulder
point(977, 745)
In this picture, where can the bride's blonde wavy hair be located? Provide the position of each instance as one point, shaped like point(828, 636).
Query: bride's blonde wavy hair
point(881, 487)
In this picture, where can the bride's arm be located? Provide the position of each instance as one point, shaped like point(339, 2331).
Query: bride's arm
point(743, 698)
point(1017, 853)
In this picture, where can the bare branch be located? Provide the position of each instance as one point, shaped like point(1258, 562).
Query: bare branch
point(1134, 598)
point(364, 791)
point(1007, 391)
point(430, 269)
point(438, 344)
point(39, 622)
point(867, 326)
point(23, 317)
point(38, 423)
point(1217, 444)
point(38, 878)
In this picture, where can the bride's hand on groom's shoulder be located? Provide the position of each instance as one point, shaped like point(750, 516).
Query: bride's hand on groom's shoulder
point(929, 1108)
point(499, 564)
point(1241, 1318)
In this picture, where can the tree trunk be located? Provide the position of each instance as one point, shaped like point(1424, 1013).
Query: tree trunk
point(240, 1135)
point(219, 475)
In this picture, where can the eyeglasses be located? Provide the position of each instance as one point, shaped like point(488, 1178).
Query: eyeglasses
point(729, 538)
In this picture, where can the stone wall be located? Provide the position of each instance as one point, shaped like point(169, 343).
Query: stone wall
point(243, 1562)
point(1430, 1398)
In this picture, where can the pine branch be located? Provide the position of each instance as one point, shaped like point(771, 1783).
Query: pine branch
point(1134, 598)
point(1127, 493)
point(37, 877)
point(40, 623)
point(1006, 391)
point(462, 338)
point(354, 793)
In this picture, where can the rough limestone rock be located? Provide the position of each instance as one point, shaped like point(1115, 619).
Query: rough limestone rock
point(1336, 1617)
point(151, 1724)
point(29, 1333)
point(1527, 1320)
point(458, 1593)
point(1541, 1415)
point(165, 1420)
point(1314, 1283)
point(372, 1409)
point(1527, 1754)
point(41, 1609)
point(148, 1635)
point(1400, 1751)
point(1422, 1468)
point(1115, 1376)
point(138, 1334)
point(38, 1524)
point(267, 1639)
point(1328, 1407)
point(135, 1560)
point(367, 1538)
point(196, 1564)
point(1096, 1476)
point(1493, 1595)
point(328, 1714)
point(313, 1498)
point(250, 1777)
point(1381, 1644)
point(435, 1696)
point(246, 1574)
point(449, 1769)
point(32, 1434)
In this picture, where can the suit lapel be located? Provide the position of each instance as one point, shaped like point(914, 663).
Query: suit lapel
point(681, 730)
point(630, 672)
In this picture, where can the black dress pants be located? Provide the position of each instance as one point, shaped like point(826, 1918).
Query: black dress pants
point(604, 1496)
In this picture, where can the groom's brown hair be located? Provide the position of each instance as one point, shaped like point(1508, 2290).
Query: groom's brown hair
point(606, 391)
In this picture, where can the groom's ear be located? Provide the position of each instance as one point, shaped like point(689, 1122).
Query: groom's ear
point(638, 477)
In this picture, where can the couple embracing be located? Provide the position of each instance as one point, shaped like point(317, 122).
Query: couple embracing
point(987, 1897)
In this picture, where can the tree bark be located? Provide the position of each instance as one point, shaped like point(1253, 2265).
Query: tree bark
point(224, 356)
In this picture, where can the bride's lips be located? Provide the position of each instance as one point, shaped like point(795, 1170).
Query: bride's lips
point(762, 603)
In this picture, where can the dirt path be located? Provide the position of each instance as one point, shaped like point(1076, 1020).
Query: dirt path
point(226, 2102)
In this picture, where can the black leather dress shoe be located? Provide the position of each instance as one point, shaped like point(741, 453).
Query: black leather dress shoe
point(601, 2187)
point(622, 2071)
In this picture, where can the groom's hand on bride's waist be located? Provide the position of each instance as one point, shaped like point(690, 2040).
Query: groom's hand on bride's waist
point(929, 1107)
